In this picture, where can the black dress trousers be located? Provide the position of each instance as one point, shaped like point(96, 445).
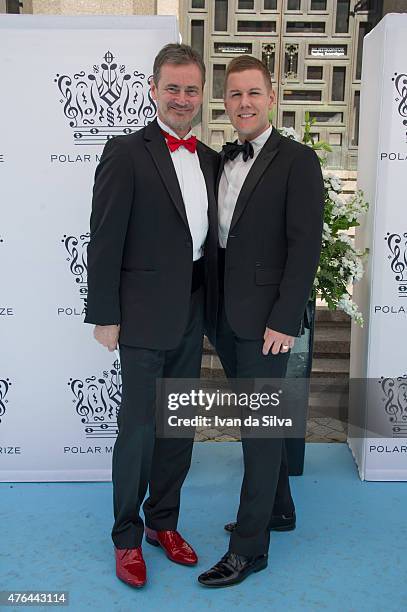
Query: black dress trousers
point(265, 489)
point(141, 460)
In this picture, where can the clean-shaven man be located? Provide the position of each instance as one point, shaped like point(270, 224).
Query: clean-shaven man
point(270, 200)
point(153, 201)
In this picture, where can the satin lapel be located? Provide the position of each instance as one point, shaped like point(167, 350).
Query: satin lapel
point(158, 149)
point(221, 165)
point(264, 159)
point(206, 164)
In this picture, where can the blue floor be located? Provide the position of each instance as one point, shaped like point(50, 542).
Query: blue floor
point(348, 553)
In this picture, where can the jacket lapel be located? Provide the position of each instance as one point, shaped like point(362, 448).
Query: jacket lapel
point(156, 145)
point(207, 168)
point(263, 160)
point(221, 165)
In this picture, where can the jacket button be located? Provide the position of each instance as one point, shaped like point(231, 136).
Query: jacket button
point(258, 265)
point(188, 243)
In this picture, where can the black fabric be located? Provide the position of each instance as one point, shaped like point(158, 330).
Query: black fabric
point(139, 459)
point(274, 242)
point(266, 274)
point(198, 274)
point(232, 149)
point(140, 265)
point(265, 489)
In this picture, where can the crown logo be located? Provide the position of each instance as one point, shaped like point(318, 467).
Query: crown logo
point(397, 244)
point(108, 102)
point(97, 402)
point(395, 399)
point(77, 258)
point(5, 385)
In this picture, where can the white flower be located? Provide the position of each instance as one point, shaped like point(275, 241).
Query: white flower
point(333, 195)
point(347, 267)
point(343, 237)
point(332, 181)
point(326, 232)
point(290, 133)
point(349, 306)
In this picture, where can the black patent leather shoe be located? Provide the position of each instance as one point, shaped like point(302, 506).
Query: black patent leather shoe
point(232, 569)
point(279, 522)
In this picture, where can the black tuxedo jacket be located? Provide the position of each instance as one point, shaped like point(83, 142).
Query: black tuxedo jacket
point(274, 241)
point(140, 250)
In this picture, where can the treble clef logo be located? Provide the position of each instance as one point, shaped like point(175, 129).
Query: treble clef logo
point(400, 83)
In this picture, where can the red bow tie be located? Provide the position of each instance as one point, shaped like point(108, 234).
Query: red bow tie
point(174, 143)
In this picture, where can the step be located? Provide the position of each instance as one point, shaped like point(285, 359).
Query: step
point(323, 367)
point(329, 340)
point(329, 384)
point(326, 367)
point(207, 347)
point(324, 315)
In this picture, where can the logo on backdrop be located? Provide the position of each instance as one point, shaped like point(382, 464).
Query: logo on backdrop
point(112, 100)
point(397, 245)
point(76, 249)
point(400, 83)
point(5, 385)
point(395, 403)
point(97, 402)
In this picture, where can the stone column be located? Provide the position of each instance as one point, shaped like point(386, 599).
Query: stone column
point(168, 7)
point(28, 7)
point(394, 6)
point(94, 7)
point(145, 7)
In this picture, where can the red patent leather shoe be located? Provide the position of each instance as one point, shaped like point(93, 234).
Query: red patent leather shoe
point(130, 566)
point(175, 547)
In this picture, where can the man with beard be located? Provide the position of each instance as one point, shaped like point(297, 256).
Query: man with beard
point(153, 200)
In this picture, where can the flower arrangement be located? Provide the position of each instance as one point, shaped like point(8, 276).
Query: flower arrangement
point(340, 263)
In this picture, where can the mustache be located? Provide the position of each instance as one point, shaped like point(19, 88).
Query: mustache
point(176, 106)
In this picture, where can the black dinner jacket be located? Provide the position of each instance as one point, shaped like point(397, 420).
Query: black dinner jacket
point(140, 250)
point(274, 242)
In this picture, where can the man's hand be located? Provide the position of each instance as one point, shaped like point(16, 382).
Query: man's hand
point(107, 335)
point(278, 343)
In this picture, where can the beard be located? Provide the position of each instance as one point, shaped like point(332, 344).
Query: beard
point(170, 118)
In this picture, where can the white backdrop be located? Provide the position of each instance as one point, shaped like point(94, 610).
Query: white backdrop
point(379, 350)
point(67, 84)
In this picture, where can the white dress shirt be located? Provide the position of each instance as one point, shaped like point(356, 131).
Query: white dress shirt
point(231, 182)
point(193, 189)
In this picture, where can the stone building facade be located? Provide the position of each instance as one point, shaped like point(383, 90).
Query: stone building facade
point(313, 49)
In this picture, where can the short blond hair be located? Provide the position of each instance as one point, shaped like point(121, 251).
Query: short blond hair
point(248, 62)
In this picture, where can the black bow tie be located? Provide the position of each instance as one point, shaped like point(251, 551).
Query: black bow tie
point(232, 150)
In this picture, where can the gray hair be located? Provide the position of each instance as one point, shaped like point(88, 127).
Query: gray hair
point(178, 55)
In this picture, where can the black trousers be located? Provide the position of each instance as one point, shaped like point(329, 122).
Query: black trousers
point(265, 489)
point(141, 460)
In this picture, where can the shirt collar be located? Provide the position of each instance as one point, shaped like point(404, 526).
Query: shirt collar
point(260, 141)
point(170, 131)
